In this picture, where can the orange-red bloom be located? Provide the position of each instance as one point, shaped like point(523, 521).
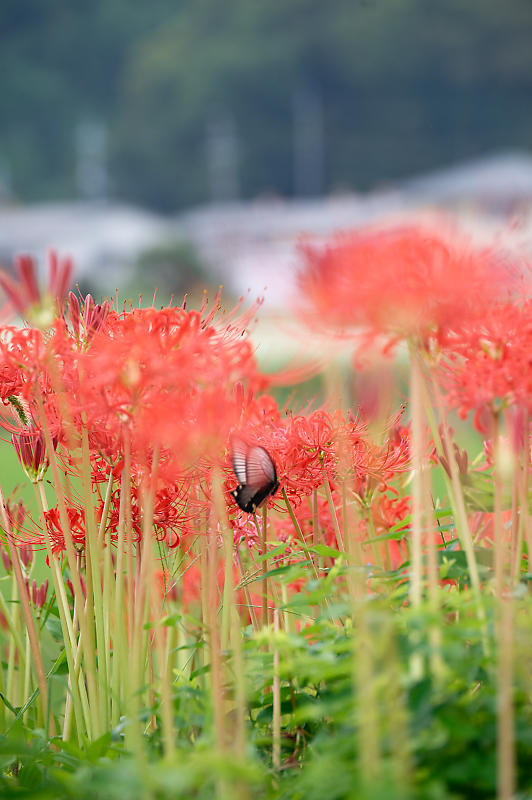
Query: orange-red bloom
point(401, 282)
point(487, 366)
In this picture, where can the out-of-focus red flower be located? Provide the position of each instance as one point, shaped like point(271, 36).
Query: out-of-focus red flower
point(165, 378)
point(487, 366)
point(401, 282)
point(22, 356)
point(37, 307)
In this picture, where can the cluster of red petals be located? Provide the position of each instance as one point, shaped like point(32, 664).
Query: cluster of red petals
point(54, 529)
point(25, 294)
point(313, 447)
point(487, 365)
point(153, 388)
point(22, 357)
point(401, 282)
point(172, 513)
point(165, 380)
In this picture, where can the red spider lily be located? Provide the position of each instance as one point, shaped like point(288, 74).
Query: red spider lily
point(90, 320)
point(488, 366)
point(312, 447)
point(22, 355)
point(171, 516)
point(402, 282)
point(76, 519)
point(26, 296)
point(165, 378)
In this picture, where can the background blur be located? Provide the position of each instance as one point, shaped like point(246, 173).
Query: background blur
point(179, 142)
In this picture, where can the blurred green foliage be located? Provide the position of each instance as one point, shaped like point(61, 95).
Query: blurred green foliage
point(437, 735)
point(405, 84)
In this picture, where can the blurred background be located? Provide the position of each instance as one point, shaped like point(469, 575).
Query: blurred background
point(184, 143)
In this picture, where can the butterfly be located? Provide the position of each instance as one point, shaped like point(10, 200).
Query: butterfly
point(256, 475)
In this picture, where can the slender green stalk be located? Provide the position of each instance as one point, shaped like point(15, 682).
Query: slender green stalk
point(456, 499)
point(276, 690)
point(13, 629)
point(28, 618)
point(27, 673)
point(87, 632)
point(299, 532)
point(499, 544)
point(120, 628)
point(83, 721)
point(332, 511)
point(245, 589)
point(264, 547)
point(239, 740)
point(416, 574)
point(11, 689)
point(506, 778)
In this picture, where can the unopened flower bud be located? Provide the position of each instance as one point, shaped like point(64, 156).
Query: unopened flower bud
point(26, 555)
point(31, 451)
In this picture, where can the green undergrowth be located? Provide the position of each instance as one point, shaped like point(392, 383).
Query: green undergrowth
point(372, 706)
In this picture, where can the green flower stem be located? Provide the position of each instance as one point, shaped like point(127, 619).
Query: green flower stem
point(69, 640)
point(264, 583)
point(232, 619)
point(456, 499)
point(332, 511)
point(216, 671)
point(499, 544)
point(416, 576)
point(299, 533)
point(13, 630)
point(94, 603)
point(11, 690)
point(26, 691)
point(87, 632)
point(276, 691)
point(28, 619)
point(142, 609)
point(228, 548)
point(120, 640)
point(315, 518)
point(245, 588)
point(108, 589)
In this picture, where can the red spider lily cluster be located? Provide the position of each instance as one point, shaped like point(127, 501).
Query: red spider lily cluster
point(182, 488)
point(404, 282)
point(487, 366)
point(157, 392)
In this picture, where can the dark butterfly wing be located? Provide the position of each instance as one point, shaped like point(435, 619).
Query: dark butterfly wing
point(256, 475)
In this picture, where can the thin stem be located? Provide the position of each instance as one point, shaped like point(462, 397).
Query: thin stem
point(276, 689)
point(94, 602)
point(299, 533)
point(332, 511)
point(28, 618)
point(415, 589)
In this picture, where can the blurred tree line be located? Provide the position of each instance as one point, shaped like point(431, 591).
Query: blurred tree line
point(398, 86)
